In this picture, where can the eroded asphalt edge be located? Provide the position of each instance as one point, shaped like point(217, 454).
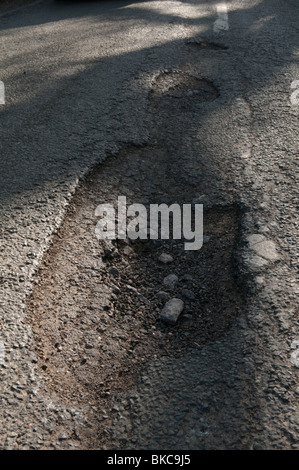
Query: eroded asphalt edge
point(222, 370)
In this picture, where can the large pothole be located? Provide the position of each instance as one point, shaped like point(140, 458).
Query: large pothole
point(95, 309)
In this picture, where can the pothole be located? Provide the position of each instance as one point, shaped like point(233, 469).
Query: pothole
point(179, 84)
point(95, 310)
point(205, 44)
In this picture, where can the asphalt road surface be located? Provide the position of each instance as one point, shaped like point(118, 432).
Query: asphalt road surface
point(160, 101)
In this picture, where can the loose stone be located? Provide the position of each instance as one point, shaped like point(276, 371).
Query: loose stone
point(170, 280)
point(188, 294)
point(165, 258)
point(172, 310)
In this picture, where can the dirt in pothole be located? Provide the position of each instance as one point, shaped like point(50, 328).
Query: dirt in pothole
point(177, 84)
point(95, 309)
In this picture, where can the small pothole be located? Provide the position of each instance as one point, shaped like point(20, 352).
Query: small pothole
point(205, 44)
point(177, 84)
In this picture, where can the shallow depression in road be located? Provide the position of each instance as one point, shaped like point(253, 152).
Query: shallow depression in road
point(180, 84)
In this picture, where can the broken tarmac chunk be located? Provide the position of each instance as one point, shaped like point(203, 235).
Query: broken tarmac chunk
point(262, 247)
point(172, 311)
point(261, 253)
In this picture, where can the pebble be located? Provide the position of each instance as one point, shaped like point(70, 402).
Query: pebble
point(188, 294)
point(165, 258)
point(128, 251)
point(63, 436)
point(105, 318)
point(108, 248)
point(188, 317)
point(295, 353)
point(170, 280)
point(163, 296)
point(113, 271)
point(131, 289)
point(172, 310)
point(187, 277)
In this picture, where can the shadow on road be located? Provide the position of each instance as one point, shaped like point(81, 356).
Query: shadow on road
point(81, 106)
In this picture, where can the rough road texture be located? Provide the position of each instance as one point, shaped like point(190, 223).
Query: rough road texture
point(189, 116)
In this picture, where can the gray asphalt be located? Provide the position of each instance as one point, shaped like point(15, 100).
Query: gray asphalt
point(77, 77)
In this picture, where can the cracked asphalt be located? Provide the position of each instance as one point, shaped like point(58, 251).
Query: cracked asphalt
point(194, 101)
